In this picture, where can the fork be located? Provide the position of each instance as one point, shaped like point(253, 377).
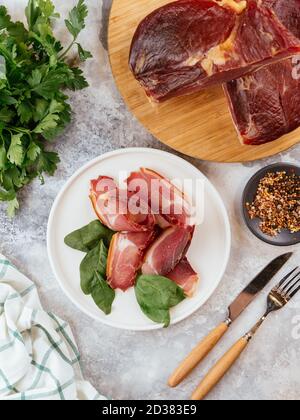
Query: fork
point(277, 299)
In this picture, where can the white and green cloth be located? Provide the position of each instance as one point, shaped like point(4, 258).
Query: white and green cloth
point(39, 359)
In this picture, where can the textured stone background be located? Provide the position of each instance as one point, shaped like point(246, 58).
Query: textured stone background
point(129, 365)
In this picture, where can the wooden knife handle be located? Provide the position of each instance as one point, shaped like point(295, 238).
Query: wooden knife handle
point(198, 354)
point(220, 369)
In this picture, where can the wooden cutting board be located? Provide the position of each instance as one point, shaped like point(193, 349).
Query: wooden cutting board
point(198, 125)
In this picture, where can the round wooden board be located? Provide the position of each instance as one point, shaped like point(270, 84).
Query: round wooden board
point(198, 125)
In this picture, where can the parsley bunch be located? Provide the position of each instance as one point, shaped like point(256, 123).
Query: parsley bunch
point(34, 72)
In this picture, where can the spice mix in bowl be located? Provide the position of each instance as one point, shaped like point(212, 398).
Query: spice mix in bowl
point(271, 204)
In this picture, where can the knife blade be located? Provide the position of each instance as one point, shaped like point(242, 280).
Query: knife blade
point(257, 285)
point(235, 309)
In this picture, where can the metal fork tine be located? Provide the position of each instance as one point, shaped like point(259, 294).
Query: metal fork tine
point(288, 280)
point(290, 286)
point(285, 278)
point(295, 292)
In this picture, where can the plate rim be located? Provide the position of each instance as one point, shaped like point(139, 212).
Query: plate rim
point(98, 159)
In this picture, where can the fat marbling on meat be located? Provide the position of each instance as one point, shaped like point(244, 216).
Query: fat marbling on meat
point(265, 105)
point(168, 203)
point(188, 45)
point(111, 206)
point(167, 250)
point(125, 257)
point(185, 276)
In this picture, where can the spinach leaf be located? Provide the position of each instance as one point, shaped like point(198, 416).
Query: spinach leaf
point(102, 293)
point(102, 261)
point(161, 316)
point(156, 295)
point(93, 278)
point(86, 238)
point(95, 260)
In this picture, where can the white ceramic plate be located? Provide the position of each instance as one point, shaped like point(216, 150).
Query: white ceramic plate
point(209, 252)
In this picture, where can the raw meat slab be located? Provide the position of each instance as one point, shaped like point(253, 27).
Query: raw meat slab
point(266, 105)
point(188, 45)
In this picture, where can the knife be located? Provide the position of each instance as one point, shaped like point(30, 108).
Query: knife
point(235, 310)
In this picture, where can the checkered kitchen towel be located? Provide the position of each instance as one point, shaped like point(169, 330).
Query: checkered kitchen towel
point(39, 359)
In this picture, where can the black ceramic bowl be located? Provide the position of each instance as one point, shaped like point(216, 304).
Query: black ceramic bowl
point(285, 238)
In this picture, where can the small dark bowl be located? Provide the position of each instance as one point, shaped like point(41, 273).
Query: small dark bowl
point(285, 238)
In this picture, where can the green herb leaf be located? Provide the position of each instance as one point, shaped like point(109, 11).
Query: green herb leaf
point(13, 206)
point(88, 267)
point(95, 260)
point(36, 77)
point(12, 177)
point(83, 54)
point(7, 195)
point(161, 316)
point(16, 152)
point(39, 12)
point(76, 81)
point(3, 157)
point(65, 118)
point(5, 97)
point(156, 295)
point(5, 20)
point(34, 70)
point(86, 238)
point(24, 111)
point(33, 151)
point(6, 115)
point(50, 84)
point(47, 162)
point(32, 13)
point(40, 109)
point(55, 107)
point(17, 30)
point(76, 21)
point(48, 9)
point(102, 294)
point(47, 123)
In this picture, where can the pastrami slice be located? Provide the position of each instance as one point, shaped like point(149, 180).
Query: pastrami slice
point(167, 202)
point(125, 257)
point(167, 250)
point(111, 206)
point(185, 276)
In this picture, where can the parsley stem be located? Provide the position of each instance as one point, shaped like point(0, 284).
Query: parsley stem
point(34, 109)
point(62, 56)
point(20, 130)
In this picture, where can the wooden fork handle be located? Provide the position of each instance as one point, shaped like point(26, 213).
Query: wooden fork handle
point(220, 369)
point(198, 354)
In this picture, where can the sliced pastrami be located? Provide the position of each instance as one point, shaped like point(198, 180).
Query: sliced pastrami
point(167, 202)
point(185, 276)
point(167, 250)
point(111, 207)
point(125, 257)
